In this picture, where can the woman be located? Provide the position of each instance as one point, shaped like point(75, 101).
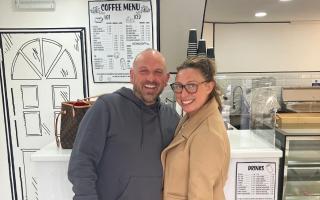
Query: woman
point(196, 162)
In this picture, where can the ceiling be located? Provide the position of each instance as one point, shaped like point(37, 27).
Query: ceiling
point(277, 11)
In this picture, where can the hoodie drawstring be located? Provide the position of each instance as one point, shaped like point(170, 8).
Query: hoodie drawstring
point(142, 130)
point(161, 133)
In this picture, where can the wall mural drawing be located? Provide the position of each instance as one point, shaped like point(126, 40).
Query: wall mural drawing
point(40, 69)
point(30, 96)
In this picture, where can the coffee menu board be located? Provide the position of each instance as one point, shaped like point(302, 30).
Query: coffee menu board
point(119, 30)
point(255, 180)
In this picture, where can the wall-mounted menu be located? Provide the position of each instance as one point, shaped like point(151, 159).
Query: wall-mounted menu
point(255, 180)
point(119, 30)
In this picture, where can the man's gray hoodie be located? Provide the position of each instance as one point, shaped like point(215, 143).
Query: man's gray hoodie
point(116, 155)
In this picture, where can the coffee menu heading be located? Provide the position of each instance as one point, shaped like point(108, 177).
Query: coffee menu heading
point(120, 6)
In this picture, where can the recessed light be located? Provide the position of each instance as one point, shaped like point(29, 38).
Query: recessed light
point(260, 14)
point(285, 0)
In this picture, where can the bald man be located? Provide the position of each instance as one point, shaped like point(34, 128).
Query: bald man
point(116, 155)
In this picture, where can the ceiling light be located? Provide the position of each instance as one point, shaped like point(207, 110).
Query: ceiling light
point(35, 4)
point(260, 14)
point(285, 0)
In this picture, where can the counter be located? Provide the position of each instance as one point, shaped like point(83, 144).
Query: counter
point(51, 166)
point(251, 157)
point(254, 167)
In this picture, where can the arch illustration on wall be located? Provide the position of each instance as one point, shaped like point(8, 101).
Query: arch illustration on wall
point(46, 58)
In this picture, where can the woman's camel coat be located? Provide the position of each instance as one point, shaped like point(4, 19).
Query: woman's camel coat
point(197, 160)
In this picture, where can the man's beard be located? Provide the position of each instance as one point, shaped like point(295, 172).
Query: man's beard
point(144, 97)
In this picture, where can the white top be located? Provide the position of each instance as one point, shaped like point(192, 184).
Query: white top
point(243, 143)
point(51, 152)
point(246, 144)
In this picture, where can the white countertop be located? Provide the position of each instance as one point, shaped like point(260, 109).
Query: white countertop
point(244, 144)
point(51, 152)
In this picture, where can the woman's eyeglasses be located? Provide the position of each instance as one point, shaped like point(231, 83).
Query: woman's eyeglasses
point(189, 87)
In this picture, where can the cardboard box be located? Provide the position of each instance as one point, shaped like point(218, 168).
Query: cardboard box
point(304, 107)
point(309, 94)
point(297, 118)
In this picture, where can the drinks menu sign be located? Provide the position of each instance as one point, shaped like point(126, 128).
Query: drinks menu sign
point(119, 30)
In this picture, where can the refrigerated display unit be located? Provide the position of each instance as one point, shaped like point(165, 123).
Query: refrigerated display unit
point(299, 176)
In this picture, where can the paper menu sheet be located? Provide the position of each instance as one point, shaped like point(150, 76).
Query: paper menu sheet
point(255, 180)
point(119, 30)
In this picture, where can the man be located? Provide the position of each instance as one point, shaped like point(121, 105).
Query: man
point(116, 155)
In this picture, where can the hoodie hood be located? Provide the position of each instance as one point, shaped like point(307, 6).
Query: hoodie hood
point(129, 94)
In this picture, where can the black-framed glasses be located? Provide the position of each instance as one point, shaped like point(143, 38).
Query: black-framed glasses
point(189, 87)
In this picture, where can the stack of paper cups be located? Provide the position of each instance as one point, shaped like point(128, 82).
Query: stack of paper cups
point(192, 44)
point(210, 52)
point(202, 50)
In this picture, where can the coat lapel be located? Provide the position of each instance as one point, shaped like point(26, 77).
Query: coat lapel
point(210, 108)
point(187, 126)
point(178, 138)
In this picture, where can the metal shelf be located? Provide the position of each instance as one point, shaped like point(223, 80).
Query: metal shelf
point(303, 197)
point(303, 164)
point(303, 189)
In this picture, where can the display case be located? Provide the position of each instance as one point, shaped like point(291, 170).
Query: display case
point(249, 99)
point(300, 165)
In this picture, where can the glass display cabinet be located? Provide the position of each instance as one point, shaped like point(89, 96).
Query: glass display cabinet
point(300, 164)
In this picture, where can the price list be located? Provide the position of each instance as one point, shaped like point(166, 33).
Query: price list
point(256, 181)
point(119, 30)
